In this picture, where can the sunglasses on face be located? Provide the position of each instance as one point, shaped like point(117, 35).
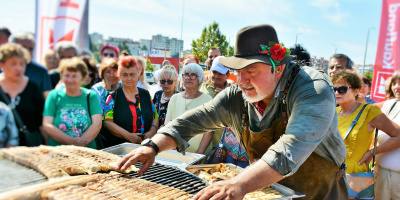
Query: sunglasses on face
point(341, 90)
point(169, 82)
point(108, 54)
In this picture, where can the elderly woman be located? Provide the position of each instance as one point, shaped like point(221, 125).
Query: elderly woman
point(129, 114)
point(50, 60)
point(108, 72)
point(109, 51)
point(142, 83)
point(22, 93)
point(347, 85)
point(72, 115)
point(168, 81)
point(92, 72)
point(387, 168)
point(193, 77)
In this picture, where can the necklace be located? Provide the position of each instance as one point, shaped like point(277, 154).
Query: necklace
point(352, 110)
point(165, 98)
point(186, 104)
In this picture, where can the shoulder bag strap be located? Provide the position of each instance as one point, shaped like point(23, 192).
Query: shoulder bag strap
point(354, 122)
point(88, 101)
point(20, 123)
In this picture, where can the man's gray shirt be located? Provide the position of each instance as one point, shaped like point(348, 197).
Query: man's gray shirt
point(312, 126)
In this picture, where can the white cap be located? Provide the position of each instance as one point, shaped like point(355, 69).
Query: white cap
point(216, 66)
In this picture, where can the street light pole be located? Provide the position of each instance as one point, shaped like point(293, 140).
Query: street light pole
point(296, 37)
point(366, 47)
point(335, 48)
point(179, 56)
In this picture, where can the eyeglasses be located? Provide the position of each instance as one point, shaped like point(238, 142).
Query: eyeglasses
point(342, 89)
point(169, 82)
point(108, 54)
point(191, 76)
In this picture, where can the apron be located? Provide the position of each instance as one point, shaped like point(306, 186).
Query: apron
point(317, 178)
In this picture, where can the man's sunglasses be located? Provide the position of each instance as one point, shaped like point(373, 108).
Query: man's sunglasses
point(342, 89)
point(169, 82)
point(108, 54)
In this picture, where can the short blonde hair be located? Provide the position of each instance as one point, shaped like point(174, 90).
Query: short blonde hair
point(74, 64)
point(10, 50)
point(169, 71)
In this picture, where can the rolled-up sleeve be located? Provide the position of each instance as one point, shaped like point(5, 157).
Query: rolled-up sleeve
point(312, 110)
point(207, 117)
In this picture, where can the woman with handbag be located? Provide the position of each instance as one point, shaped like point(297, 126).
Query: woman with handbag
point(357, 122)
point(21, 94)
point(387, 168)
point(72, 115)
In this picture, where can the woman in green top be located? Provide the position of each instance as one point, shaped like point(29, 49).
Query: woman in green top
point(66, 117)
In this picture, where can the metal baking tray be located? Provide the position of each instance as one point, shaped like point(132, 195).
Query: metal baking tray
point(170, 157)
point(285, 191)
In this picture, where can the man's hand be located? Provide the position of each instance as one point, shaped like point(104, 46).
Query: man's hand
point(228, 190)
point(146, 155)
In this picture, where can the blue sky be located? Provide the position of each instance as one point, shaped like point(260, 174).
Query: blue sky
point(321, 24)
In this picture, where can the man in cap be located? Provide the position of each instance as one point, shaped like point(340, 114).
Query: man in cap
point(339, 62)
point(285, 116)
point(214, 85)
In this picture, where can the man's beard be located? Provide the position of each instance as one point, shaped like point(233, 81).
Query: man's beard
point(260, 95)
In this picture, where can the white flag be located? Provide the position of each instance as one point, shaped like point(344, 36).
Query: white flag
point(60, 20)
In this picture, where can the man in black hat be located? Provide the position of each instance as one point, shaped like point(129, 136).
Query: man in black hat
point(285, 116)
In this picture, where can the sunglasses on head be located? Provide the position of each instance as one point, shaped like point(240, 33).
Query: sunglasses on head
point(108, 54)
point(169, 82)
point(342, 89)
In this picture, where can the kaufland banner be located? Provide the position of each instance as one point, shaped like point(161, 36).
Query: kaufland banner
point(388, 52)
point(60, 20)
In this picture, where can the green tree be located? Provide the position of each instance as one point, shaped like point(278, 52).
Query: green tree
point(231, 51)
point(144, 47)
point(369, 75)
point(211, 36)
point(149, 66)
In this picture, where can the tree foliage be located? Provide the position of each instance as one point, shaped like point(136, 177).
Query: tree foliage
point(211, 36)
point(124, 46)
point(149, 66)
point(368, 75)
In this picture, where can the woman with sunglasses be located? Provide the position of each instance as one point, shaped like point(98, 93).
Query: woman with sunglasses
point(109, 51)
point(193, 77)
point(90, 79)
point(129, 113)
point(168, 81)
point(358, 141)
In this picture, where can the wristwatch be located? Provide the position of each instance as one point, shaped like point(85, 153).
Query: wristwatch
point(148, 142)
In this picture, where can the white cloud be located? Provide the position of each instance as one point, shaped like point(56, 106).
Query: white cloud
point(309, 31)
point(331, 10)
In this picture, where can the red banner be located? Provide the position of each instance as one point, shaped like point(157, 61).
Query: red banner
point(388, 52)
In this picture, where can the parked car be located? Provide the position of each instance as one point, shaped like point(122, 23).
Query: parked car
point(149, 77)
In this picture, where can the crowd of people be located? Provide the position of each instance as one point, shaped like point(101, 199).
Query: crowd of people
point(70, 99)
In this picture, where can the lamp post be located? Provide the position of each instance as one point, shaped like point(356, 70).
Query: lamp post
point(366, 47)
point(296, 37)
point(179, 55)
point(229, 43)
point(335, 48)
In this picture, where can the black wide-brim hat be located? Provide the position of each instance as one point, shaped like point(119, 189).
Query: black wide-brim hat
point(248, 46)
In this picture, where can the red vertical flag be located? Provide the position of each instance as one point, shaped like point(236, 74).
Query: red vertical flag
point(388, 52)
point(60, 20)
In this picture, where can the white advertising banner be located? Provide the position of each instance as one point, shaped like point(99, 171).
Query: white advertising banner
point(60, 20)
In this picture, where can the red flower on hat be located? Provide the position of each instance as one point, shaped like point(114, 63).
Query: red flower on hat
point(277, 52)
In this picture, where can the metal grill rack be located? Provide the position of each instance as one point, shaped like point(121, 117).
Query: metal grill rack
point(173, 177)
